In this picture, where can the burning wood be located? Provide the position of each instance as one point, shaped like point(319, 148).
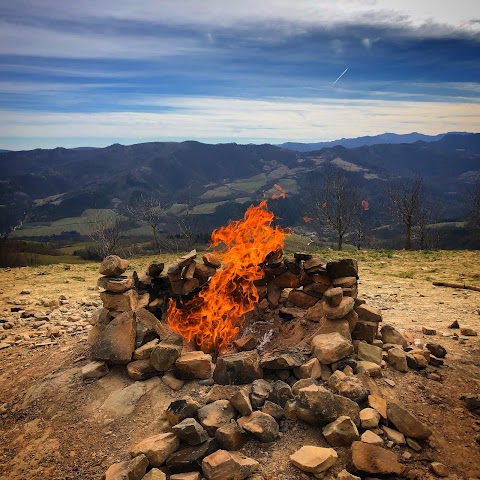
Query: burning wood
point(243, 247)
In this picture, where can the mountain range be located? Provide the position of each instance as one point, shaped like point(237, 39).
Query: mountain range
point(217, 182)
point(393, 138)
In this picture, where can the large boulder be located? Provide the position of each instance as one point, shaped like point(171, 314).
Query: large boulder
point(238, 368)
point(116, 341)
point(120, 302)
point(330, 348)
point(347, 267)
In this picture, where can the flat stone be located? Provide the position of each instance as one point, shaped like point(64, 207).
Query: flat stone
point(414, 445)
point(318, 406)
point(186, 476)
point(345, 282)
point(302, 299)
point(215, 414)
point(316, 313)
point(330, 348)
point(129, 470)
point(428, 331)
point(190, 431)
point(230, 436)
point(396, 437)
point(391, 335)
point(368, 313)
point(141, 370)
point(149, 327)
point(116, 284)
point(222, 465)
point(193, 365)
point(144, 352)
point(282, 359)
point(245, 344)
point(313, 459)
point(439, 469)
point(416, 360)
point(347, 267)
point(369, 353)
point(334, 296)
point(372, 369)
point(179, 410)
point(303, 383)
point(120, 302)
point(310, 369)
point(94, 370)
point(156, 448)
point(164, 355)
point(369, 418)
point(340, 326)
point(368, 458)
point(436, 349)
point(238, 368)
point(407, 423)
point(397, 359)
point(341, 432)
point(221, 392)
point(112, 266)
point(372, 438)
point(190, 458)
point(116, 341)
point(261, 426)
point(288, 279)
point(172, 381)
point(274, 410)
point(379, 404)
point(468, 332)
point(340, 311)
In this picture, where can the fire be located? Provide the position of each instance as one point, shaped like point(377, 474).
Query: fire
point(214, 318)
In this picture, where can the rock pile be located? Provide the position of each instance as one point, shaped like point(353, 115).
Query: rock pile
point(255, 395)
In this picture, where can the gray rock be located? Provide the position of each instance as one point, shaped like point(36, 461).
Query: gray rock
point(238, 368)
point(215, 414)
point(318, 406)
point(370, 353)
point(190, 431)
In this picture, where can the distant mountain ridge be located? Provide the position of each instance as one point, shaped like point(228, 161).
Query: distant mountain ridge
point(390, 138)
point(217, 182)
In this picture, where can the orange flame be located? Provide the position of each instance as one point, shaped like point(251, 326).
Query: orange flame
point(307, 219)
point(214, 318)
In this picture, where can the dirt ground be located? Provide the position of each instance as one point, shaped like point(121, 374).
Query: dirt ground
point(55, 426)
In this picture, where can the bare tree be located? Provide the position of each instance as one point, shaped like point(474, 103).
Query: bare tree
point(406, 199)
point(149, 209)
point(473, 218)
point(333, 203)
point(106, 231)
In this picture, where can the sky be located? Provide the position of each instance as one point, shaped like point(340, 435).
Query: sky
point(92, 73)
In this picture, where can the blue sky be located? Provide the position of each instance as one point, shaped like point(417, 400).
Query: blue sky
point(95, 73)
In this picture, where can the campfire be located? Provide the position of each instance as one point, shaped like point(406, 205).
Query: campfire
point(243, 248)
point(279, 338)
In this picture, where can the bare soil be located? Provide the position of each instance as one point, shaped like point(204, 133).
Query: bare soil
point(55, 426)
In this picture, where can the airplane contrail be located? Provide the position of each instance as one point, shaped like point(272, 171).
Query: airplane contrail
point(343, 73)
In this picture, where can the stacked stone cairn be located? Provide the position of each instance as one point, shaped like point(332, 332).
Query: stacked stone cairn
point(330, 382)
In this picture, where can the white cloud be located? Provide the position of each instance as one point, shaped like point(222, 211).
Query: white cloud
point(211, 119)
